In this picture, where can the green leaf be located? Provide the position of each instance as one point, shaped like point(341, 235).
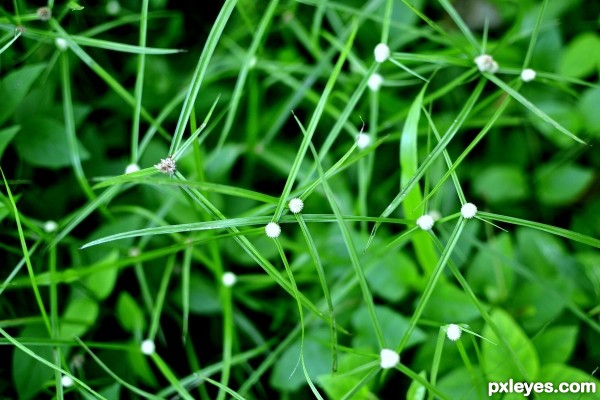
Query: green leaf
point(588, 107)
point(392, 276)
point(42, 142)
point(74, 6)
point(337, 385)
point(287, 373)
point(576, 60)
point(556, 344)
point(81, 313)
point(562, 185)
point(204, 298)
point(450, 304)
point(416, 391)
point(458, 384)
point(15, 86)
point(29, 375)
point(103, 282)
point(558, 373)
point(129, 314)
point(6, 135)
point(496, 363)
point(501, 184)
point(393, 327)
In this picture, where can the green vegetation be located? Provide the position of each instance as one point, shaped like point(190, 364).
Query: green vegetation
point(149, 151)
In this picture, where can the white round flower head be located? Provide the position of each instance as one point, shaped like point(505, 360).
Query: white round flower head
point(167, 166)
point(382, 52)
point(527, 75)
point(66, 381)
point(296, 205)
point(148, 347)
point(132, 168)
point(113, 7)
point(485, 63)
point(453, 332)
point(375, 81)
point(228, 279)
point(50, 226)
point(468, 210)
point(61, 44)
point(425, 222)
point(389, 358)
point(273, 230)
point(363, 141)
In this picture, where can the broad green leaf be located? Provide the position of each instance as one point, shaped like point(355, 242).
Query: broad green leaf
point(81, 313)
point(501, 184)
point(393, 327)
point(588, 107)
point(491, 275)
point(42, 142)
point(337, 385)
point(15, 86)
point(559, 373)
point(392, 276)
point(556, 344)
point(458, 383)
point(576, 60)
point(29, 375)
point(450, 304)
point(562, 185)
point(287, 373)
point(497, 364)
point(204, 298)
point(102, 283)
point(6, 135)
point(536, 306)
point(129, 314)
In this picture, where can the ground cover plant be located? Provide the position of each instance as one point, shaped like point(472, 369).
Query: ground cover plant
point(298, 199)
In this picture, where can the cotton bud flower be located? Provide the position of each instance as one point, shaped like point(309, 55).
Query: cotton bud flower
point(296, 205)
point(363, 141)
point(148, 347)
point(527, 75)
point(167, 166)
point(132, 168)
point(113, 7)
point(425, 222)
point(485, 63)
point(229, 279)
point(50, 226)
point(389, 358)
point(273, 230)
point(468, 210)
point(375, 81)
point(61, 44)
point(66, 381)
point(453, 332)
point(44, 13)
point(382, 52)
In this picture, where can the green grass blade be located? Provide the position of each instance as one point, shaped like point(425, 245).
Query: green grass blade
point(14, 39)
point(201, 67)
point(139, 86)
point(312, 126)
point(170, 376)
point(461, 24)
point(458, 122)
point(160, 297)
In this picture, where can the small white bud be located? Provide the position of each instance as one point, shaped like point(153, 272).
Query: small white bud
point(229, 279)
point(296, 205)
point(134, 252)
point(50, 226)
point(44, 13)
point(425, 222)
point(485, 63)
point(528, 75)
point(382, 52)
point(435, 214)
point(363, 141)
point(375, 81)
point(453, 332)
point(66, 381)
point(389, 358)
point(273, 230)
point(132, 168)
point(113, 7)
point(167, 166)
point(61, 44)
point(468, 210)
point(148, 347)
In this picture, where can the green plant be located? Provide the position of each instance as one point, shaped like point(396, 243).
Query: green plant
point(369, 179)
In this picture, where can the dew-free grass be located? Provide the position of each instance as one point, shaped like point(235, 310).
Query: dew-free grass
point(297, 199)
